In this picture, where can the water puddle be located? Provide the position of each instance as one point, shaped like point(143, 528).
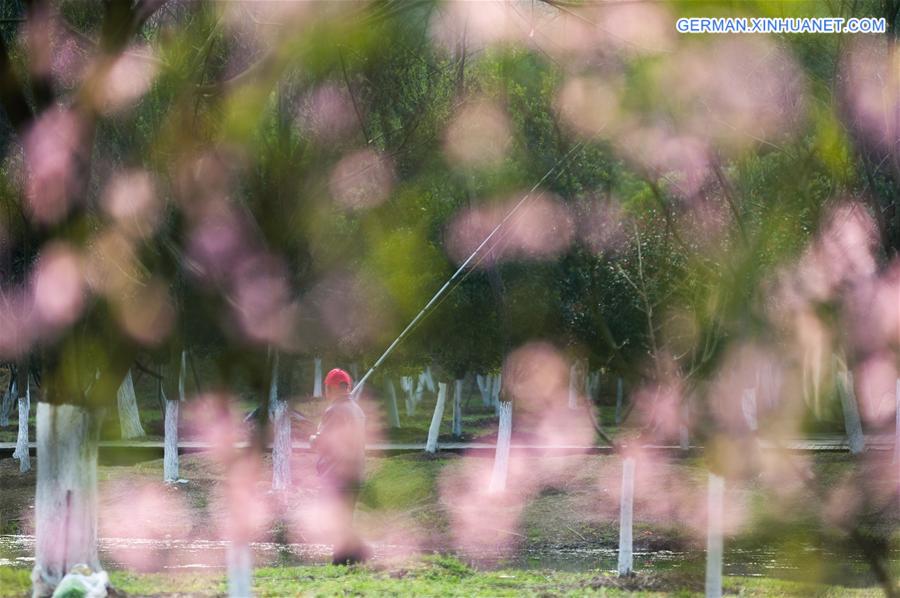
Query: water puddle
point(804, 562)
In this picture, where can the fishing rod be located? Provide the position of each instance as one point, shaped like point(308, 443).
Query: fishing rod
point(557, 167)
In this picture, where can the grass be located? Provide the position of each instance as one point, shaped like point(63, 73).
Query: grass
point(437, 576)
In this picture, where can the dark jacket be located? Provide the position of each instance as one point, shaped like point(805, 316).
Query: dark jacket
point(340, 442)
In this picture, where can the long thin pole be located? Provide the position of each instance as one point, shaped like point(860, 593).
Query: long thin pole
point(460, 270)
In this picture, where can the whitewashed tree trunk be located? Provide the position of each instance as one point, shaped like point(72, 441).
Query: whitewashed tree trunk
point(619, 396)
point(240, 569)
point(66, 494)
point(393, 413)
point(501, 456)
point(182, 376)
point(21, 453)
point(281, 449)
point(9, 397)
point(170, 444)
point(714, 541)
point(457, 408)
point(129, 417)
point(435, 428)
point(495, 393)
point(420, 389)
point(406, 383)
point(573, 387)
point(626, 516)
point(484, 388)
point(684, 427)
point(595, 385)
point(429, 379)
point(317, 380)
point(281, 445)
point(852, 424)
point(897, 425)
point(748, 408)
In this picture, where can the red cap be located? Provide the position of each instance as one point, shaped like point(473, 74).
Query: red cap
point(337, 377)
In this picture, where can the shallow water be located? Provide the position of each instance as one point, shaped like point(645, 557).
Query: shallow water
point(801, 563)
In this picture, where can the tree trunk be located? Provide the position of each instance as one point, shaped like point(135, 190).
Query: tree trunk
point(429, 379)
point(170, 445)
point(501, 457)
point(406, 383)
point(281, 447)
point(626, 513)
point(684, 427)
point(393, 413)
point(714, 541)
point(240, 569)
point(573, 387)
point(317, 383)
point(66, 494)
point(9, 397)
point(748, 408)
point(495, 393)
point(22, 453)
point(435, 428)
point(420, 388)
point(129, 417)
point(484, 387)
point(619, 395)
point(457, 409)
point(852, 424)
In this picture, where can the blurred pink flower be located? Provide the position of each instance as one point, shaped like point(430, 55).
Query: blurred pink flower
point(327, 113)
point(130, 200)
point(601, 226)
point(735, 92)
point(362, 179)
point(262, 302)
point(870, 77)
point(59, 289)
point(53, 155)
point(590, 105)
point(478, 136)
point(540, 229)
point(127, 79)
point(144, 511)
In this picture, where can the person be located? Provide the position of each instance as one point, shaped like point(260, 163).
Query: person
point(340, 444)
